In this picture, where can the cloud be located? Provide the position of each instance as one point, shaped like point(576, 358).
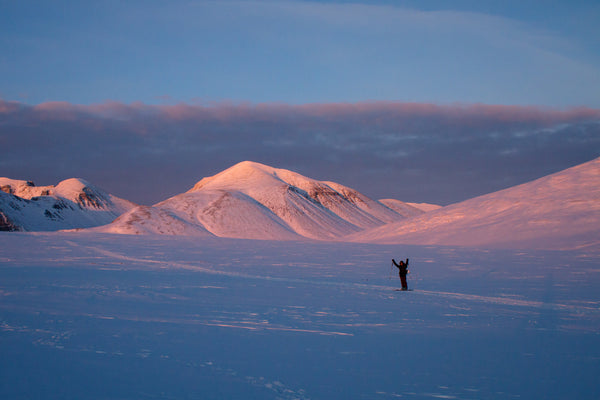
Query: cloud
point(410, 151)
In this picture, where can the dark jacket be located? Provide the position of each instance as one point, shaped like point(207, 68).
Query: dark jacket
point(402, 267)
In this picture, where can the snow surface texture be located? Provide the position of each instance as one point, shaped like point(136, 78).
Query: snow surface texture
point(73, 203)
point(255, 201)
point(560, 211)
point(92, 316)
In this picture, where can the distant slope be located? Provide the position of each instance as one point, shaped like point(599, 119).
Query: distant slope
point(408, 209)
point(255, 201)
point(426, 207)
point(144, 220)
point(73, 203)
point(229, 214)
point(560, 211)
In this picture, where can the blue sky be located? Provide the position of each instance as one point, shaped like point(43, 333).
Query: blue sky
point(509, 52)
point(433, 101)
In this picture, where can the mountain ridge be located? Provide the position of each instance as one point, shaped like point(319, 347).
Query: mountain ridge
point(558, 211)
point(72, 203)
point(255, 201)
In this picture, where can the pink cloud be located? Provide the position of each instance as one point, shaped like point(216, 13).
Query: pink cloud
point(470, 114)
point(9, 107)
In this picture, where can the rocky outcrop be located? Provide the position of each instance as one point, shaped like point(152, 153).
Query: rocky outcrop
point(6, 224)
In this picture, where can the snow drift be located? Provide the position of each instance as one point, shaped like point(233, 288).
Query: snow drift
point(73, 203)
point(560, 211)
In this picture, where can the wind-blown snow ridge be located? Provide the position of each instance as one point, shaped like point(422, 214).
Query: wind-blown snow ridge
point(560, 211)
point(73, 203)
point(254, 201)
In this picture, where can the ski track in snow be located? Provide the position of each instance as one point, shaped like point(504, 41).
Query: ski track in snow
point(296, 320)
point(461, 296)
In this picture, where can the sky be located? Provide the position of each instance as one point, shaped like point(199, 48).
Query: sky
point(424, 101)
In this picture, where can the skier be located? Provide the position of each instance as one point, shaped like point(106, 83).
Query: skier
point(402, 271)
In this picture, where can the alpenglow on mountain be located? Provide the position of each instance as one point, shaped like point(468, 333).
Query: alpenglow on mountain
point(558, 211)
point(255, 201)
point(73, 203)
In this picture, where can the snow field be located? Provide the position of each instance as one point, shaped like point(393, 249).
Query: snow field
point(91, 316)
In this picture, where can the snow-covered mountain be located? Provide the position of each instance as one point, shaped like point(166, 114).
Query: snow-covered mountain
point(255, 201)
point(73, 203)
point(560, 211)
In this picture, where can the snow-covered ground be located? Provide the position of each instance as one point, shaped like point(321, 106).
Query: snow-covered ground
point(94, 316)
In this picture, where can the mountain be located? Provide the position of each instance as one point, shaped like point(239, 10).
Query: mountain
point(559, 211)
point(255, 201)
point(73, 203)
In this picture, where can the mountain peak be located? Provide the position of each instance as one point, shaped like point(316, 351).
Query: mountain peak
point(254, 200)
point(248, 175)
point(23, 189)
point(247, 164)
point(69, 188)
point(73, 203)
